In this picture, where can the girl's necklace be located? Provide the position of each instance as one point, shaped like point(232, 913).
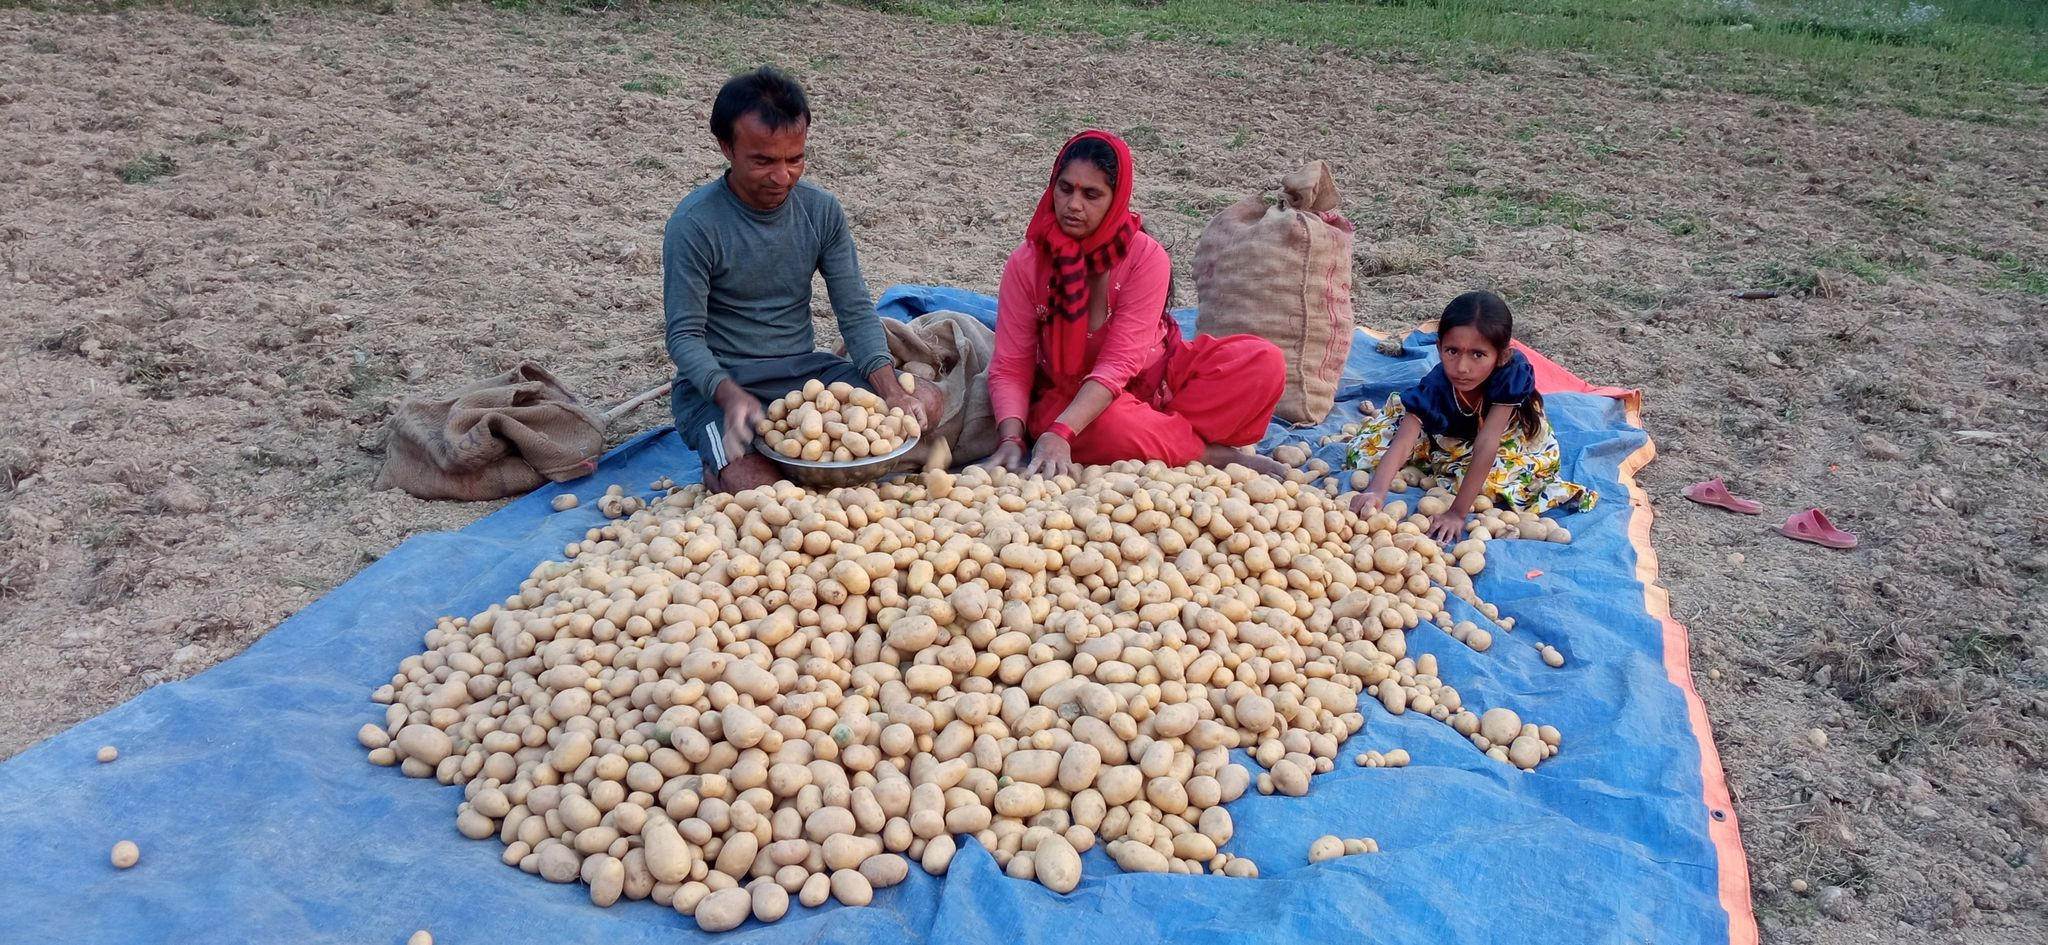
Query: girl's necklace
point(1459, 396)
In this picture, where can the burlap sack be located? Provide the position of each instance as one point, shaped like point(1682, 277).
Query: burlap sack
point(951, 350)
point(497, 437)
point(1283, 273)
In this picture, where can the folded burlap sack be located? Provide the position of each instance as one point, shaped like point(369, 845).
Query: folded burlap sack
point(500, 436)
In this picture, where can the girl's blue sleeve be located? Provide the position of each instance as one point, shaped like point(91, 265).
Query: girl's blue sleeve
point(1431, 401)
point(1511, 383)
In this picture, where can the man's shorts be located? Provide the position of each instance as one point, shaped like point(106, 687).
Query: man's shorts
point(702, 423)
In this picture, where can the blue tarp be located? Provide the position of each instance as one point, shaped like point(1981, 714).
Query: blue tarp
point(260, 821)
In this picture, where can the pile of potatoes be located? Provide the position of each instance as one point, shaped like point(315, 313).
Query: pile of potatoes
point(724, 702)
point(838, 423)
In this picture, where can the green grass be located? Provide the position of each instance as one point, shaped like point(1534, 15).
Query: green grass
point(653, 85)
point(1900, 210)
point(1873, 271)
point(1775, 275)
point(2015, 272)
point(1640, 297)
point(2020, 275)
point(1978, 60)
point(366, 387)
point(1960, 58)
point(106, 535)
point(221, 134)
point(1457, 161)
point(1994, 654)
point(1679, 224)
point(1521, 209)
point(148, 167)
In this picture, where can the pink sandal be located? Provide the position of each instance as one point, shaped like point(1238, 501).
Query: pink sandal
point(1713, 492)
point(1812, 526)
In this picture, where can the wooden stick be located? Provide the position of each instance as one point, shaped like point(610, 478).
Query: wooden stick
point(638, 399)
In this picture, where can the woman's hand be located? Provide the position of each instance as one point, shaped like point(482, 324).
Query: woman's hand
point(1009, 455)
point(1365, 503)
point(1447, 527)
point(1052, 457)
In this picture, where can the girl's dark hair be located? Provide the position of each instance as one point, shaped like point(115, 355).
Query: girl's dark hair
point(1097, 152)
point(1486, 313)
point(766, 92)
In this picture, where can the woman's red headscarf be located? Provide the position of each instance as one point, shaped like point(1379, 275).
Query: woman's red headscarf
point(1073, 260)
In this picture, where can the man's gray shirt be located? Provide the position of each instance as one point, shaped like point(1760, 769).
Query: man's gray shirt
point(736, 282)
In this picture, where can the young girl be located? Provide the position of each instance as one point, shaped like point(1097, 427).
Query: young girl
point(1477, 409)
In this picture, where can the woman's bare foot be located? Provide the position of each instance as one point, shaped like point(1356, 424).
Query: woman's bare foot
point(1219, 456)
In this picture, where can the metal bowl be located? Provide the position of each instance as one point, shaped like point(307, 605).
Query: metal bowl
point(828, 475)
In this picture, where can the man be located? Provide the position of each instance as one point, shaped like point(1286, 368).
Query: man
point(737, 259)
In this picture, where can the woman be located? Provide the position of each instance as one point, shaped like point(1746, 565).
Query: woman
point(1089, 368)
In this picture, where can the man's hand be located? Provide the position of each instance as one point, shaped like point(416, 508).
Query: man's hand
point(1052, 457)
point(891, 390)
point(742, 413)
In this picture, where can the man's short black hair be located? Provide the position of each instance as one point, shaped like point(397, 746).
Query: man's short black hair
point(765, 92)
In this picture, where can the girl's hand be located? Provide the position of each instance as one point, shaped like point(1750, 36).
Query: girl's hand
point(1365, 503)
point(1052, 457)
point(1447, 527)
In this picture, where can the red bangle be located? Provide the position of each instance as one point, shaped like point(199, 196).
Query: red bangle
point(1014, 438)
point(1061, 430)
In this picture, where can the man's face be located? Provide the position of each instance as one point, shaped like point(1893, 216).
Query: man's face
point(765, 163)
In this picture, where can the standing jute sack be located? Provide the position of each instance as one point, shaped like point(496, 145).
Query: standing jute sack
point(1283, 273)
